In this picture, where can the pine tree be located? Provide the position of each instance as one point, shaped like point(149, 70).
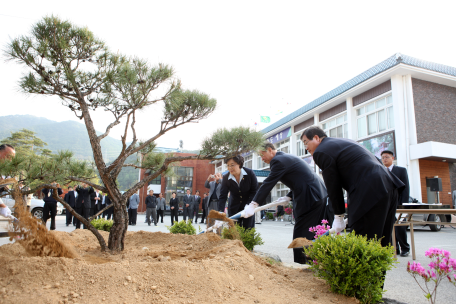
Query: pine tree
point(70, 62)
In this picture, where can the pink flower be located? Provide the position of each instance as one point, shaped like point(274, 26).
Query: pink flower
point(324, 222)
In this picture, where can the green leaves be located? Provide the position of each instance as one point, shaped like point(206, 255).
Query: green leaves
point(352, 265)
point(182, 227)
point(226, 143)
point(187, 106)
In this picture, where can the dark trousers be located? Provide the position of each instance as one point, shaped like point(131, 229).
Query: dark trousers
point(160, 214)
point(243, 222)
point(80, 211)
point(174, 217)
point(188, 213)
point(195, 215)
point(311, 218)
point(132, 215)
point(50, 210)
point(378, 222)
point(151, 212)
point(203, 217)
point(109, 213)
point(401, 238)
point(69, 217)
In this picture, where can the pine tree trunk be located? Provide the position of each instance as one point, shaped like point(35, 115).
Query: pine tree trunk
point(118, 231)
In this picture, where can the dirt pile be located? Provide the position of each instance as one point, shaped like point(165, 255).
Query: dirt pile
point(33, 236)
point(154, 268)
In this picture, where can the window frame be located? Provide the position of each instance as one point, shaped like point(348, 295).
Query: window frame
point(344, 124)
point(376, 111)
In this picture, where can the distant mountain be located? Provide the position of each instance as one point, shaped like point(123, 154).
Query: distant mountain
point(66, 135)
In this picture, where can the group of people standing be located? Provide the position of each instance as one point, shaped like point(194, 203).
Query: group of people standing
point(86, 201)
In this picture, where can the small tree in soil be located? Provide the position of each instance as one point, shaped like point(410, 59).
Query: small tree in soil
point(70, 62)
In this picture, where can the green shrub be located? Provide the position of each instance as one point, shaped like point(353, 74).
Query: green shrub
point(182, 227)
point(249, 237)
point(352, 265)
point(102, 224)
point(270, 215)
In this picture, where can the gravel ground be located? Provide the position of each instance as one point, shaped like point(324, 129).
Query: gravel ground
point(399, 285)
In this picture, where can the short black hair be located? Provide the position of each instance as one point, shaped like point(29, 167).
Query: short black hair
point(387, 151)
point(174, 193)
point(312, 131)
point(4, 146)
point(197, 191)
point(237, 159)
point(70, 187)
point(266, 145)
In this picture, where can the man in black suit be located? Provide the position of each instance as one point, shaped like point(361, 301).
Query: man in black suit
point(188, 205)
point(196, 203)
point(306, 190)
point(83, 202)
point(203, 217)
point(70, 199)
point(50, 205)
point(403, 198)
point(372, 189)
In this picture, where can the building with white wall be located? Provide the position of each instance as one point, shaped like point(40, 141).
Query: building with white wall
point(402, 104)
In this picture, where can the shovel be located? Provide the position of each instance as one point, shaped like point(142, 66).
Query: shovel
point(240, 214)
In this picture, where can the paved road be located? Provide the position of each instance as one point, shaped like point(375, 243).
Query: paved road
point(399, 284)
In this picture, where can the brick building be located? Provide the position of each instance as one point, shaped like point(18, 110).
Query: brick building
point(402, 104)
point(188, 174)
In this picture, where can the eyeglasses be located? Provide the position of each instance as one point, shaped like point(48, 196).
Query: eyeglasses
point(231, 166)
point(305, 142)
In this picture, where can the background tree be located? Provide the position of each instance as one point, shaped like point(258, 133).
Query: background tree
point(68, 61)
point(25, 142)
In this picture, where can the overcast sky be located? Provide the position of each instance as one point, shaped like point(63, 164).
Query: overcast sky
point(255, 57)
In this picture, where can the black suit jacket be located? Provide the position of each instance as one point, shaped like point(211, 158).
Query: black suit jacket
point(196, 202)
point(83, 199)
point(401, 173)
point(107, 200)
point(174, 202)
point(93, 201)
point(48, 198)
point(348, 165)
point(70, 199)
point(306, 187)
point(205, 202)
point(188, 200)
point(240, 195)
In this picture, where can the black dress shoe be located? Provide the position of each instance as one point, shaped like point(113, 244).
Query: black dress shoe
point(405, 253)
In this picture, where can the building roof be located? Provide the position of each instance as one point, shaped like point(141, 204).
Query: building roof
point(392, 61)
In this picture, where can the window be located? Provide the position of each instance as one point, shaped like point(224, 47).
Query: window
point(248, 160)
point(336, 127)
point(156, 181)
point(181, 180)
point(261, 164)
point(300, 150)
point(375, 117)
point(283, 145)
point(281, 190)
point(218, 167)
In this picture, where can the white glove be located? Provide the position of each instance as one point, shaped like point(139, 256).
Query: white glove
point(284, 200)
point(5, 211)
point(249, 210)
point(338, 224)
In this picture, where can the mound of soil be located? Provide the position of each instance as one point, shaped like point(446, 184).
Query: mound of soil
point(154, 268)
